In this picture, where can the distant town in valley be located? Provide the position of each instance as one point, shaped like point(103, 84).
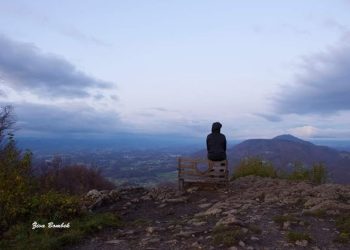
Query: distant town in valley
point(138, 161)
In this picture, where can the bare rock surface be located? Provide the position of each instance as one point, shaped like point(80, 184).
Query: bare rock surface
point(253, 213)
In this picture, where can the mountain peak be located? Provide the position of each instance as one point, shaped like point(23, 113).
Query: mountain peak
point(288, 137)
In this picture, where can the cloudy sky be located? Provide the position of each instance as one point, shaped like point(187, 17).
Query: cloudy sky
point(261, 68)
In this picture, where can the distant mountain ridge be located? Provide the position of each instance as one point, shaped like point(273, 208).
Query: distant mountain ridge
point(285, 150)
point(288, 137)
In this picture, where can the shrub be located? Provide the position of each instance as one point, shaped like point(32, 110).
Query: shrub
point(75, 179)
point(21, 236)
point(254, 166)
point(294, 236)
point(227, 236)
point(317, 174)
point(343, 225)
point(54, 206)
point(299, 173)
point(280, 219)
point(16, 185)
point(22, 203)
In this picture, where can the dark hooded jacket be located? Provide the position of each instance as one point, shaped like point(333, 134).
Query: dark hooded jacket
point(216, 144)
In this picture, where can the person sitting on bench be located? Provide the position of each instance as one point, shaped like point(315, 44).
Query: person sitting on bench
point(216, 143)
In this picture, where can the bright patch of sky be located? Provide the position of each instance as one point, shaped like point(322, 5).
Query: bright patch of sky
point(261, 68)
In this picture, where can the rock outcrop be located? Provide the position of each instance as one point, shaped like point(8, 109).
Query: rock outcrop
point(253, 213)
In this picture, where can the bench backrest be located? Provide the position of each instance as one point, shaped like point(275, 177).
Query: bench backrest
point(216, 172)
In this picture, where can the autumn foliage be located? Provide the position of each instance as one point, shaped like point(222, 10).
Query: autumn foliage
point(52, 196)
point(75, 179)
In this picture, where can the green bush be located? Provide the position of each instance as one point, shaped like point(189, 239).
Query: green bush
point(343, 225)
point(23, 202)
point(254, 166)
point(227, 236)
point(299, 173)
point(16, 185)
point(317, 174)
point(55, 206)
point(294, 236)
point(21, 236)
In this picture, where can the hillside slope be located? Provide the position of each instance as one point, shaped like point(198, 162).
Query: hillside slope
point(254, 213)
point(284, 150)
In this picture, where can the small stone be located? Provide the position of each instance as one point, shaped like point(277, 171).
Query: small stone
point(230, 212)
point(146, 198)
point(210, 211)
point(196, 245)
point(253, 238)
point(199, 223)
point(93, 194)
point(150, 230)
point(302, 243)
point(154, 240)
point(205, 205)
point(203, 200)
point(233, 248)
point(185, 234)
point(114, 194)
point(286, 225)
point(241, 243)
point(227, 221)
point(176, 200)
point(192, 190)
point(130, 232)
point(162, 205)
point(171, 242)
point(115, 241)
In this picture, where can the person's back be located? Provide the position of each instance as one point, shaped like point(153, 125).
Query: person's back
point(216, 144)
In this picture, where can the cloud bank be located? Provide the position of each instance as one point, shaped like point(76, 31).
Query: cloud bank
point(35, 119)
point(269, 117)
point(322, 88)
point(24, 67)
point(51, 96)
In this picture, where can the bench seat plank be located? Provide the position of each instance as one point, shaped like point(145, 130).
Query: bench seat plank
point(217, 172)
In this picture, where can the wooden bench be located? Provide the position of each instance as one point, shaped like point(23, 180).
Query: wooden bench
point(188, 172)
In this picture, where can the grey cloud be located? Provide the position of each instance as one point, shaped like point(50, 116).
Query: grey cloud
point(80, 36)
point(49, 119)
point(159, 109)
point(46, 22)
point(270, 117)
point(25, 67)
point(322, 88)
point(114, 97)
point(334, 24)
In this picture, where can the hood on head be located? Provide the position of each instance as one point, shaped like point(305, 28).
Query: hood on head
point(216, 127)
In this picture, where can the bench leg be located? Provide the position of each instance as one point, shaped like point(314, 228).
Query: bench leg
point(181, 184)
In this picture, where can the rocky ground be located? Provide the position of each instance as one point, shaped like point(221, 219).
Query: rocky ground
point(253, 213)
